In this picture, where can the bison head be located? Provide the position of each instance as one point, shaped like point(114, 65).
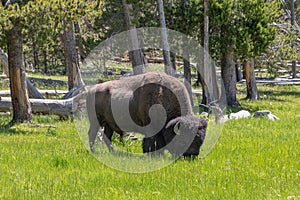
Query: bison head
point(185, 135)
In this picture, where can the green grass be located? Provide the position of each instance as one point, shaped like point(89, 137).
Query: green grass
point(253, 159)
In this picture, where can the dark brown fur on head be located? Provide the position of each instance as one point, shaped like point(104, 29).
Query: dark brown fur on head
point(192, 129)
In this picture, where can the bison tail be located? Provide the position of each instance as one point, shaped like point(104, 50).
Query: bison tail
point(94, 124)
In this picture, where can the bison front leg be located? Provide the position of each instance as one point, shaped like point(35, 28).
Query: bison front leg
point(108, 132)
point(159, 143)
point(148, 144)
point(154, 144)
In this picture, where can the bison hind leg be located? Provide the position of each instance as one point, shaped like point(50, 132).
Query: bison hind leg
point(94, 128)
point(108, 132)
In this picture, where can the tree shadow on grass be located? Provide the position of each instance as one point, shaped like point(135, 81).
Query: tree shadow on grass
point(26, 129)
point(41, 125)
point(279, 95)
point(7, 130)
point(283, 93)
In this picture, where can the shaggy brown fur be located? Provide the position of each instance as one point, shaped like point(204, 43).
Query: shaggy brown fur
point(142, 92)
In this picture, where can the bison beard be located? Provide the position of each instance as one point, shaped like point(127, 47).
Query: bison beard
point(143, 91)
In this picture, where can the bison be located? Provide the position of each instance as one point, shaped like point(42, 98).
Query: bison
point(154, 104)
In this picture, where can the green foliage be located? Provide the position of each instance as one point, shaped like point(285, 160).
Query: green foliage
point(279, 51)
point(253, 159)
point(41, 24)
point(244, 26)
point(97, 29)
point(184, 16)
point(255, 28)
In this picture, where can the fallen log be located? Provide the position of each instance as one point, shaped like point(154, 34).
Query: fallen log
point(277, 82)
point(32, 91)
point(63, 108)
point(47, 81)
point(47, 93)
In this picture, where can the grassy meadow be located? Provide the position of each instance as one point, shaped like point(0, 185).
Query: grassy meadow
point(253, 159)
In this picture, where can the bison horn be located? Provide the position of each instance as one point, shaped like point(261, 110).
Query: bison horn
point(175, 121)
point(176, 128)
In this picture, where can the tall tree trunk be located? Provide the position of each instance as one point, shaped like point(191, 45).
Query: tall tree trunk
point(173, 61)
point(172, 54)
point(81, 47)
point(18, 86)
point(4, 62)
point(164, 39)
point(229, 77)
point(238, 72)
point(294, 71)
point(186, 54)
point(188, 77)
point(208, 79)
point(35, 54)
point(206, 96)
point(136, 55)
point(252, 92)
point(45, 62)
point(206, 28)
point(71, 56)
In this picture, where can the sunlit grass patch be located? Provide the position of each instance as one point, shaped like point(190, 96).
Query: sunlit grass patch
point(253, 159)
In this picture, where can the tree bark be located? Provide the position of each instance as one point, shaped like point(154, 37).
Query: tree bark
point(252, 92)
point(4, 62)
point(18, 86)
point(45, 61)
point(35, 54)
point(172, 54)
point(173, 61)
point(164, 39)
point(294, 71)
point(81, 47)
point(229, 78)
point(206, 27)
point(135, 53)
point(71, 56)
point(206, 97)
point(208, 76)
point(238, 72)
point(188, 77)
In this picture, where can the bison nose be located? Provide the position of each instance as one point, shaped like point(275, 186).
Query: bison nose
point(190, 156)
